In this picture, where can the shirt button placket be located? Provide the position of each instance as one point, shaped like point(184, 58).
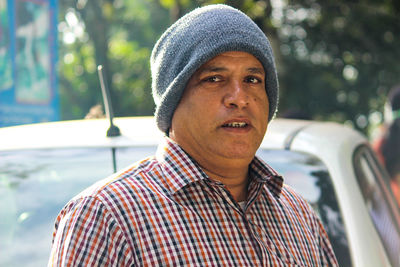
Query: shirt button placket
point(255, 239)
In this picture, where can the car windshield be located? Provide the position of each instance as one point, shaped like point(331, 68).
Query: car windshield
point(34, 187)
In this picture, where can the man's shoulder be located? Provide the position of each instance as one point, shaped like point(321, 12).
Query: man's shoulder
point(296, 203)
point(134, 176)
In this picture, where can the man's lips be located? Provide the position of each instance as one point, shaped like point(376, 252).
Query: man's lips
point(239, 123)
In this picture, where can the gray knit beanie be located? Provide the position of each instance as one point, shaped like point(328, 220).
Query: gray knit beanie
point(193, 40)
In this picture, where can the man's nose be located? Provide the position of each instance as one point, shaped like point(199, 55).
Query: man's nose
point(236, 95)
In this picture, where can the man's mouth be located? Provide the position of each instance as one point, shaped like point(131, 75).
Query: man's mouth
point(235, 125)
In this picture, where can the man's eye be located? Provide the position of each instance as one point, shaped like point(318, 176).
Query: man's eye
point(212, 79)
point(253, 80)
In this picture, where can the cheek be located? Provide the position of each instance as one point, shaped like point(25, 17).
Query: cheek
point(194, 111)
point(259, 95)
point(262, 102)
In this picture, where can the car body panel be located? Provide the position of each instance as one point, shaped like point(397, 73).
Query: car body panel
point(321, 138)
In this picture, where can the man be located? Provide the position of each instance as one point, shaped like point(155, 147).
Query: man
point(204, 199)
point(387, 144)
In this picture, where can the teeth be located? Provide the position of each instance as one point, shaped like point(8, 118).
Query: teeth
point(236, 124)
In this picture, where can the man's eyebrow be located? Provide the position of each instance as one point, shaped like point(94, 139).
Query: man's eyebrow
point(256, 70)
point(212, 69)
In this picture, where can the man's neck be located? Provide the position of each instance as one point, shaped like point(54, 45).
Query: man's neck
point(236, 182)
point(232, 172)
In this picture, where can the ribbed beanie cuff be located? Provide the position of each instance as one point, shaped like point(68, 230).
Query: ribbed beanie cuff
point(193, 40)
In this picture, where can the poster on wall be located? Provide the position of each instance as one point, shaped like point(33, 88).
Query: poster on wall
point(28, 88)
point(6, 79)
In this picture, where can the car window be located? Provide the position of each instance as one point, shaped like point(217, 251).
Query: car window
point(310, 178)
point(34, 186)
point(379, 201)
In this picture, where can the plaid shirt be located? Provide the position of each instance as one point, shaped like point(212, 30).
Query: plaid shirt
point(165, 211)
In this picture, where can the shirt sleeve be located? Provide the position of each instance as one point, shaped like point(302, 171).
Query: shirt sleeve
point(87, 234)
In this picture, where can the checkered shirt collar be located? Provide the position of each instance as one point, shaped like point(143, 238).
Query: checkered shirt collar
point(181, 169)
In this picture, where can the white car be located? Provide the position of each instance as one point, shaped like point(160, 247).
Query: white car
point(44, 165)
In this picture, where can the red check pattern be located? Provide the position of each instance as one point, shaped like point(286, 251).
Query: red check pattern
point(165, 211)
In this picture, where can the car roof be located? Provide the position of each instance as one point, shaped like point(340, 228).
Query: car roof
point(80, 133)
point(314, 137)
point(142, 131)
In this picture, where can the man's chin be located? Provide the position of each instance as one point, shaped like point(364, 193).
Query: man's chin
point(238, 153)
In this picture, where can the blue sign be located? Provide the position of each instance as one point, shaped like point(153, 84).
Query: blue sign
point(28, 56)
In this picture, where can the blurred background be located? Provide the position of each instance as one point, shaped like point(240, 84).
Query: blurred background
point(336, 60)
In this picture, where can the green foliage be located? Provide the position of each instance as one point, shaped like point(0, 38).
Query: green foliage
point(339, 58)
point(336, 59)
point(119, 37)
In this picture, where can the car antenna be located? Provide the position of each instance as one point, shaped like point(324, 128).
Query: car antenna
point(113, 130)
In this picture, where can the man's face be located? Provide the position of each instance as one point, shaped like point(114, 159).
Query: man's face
point(224, 108)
